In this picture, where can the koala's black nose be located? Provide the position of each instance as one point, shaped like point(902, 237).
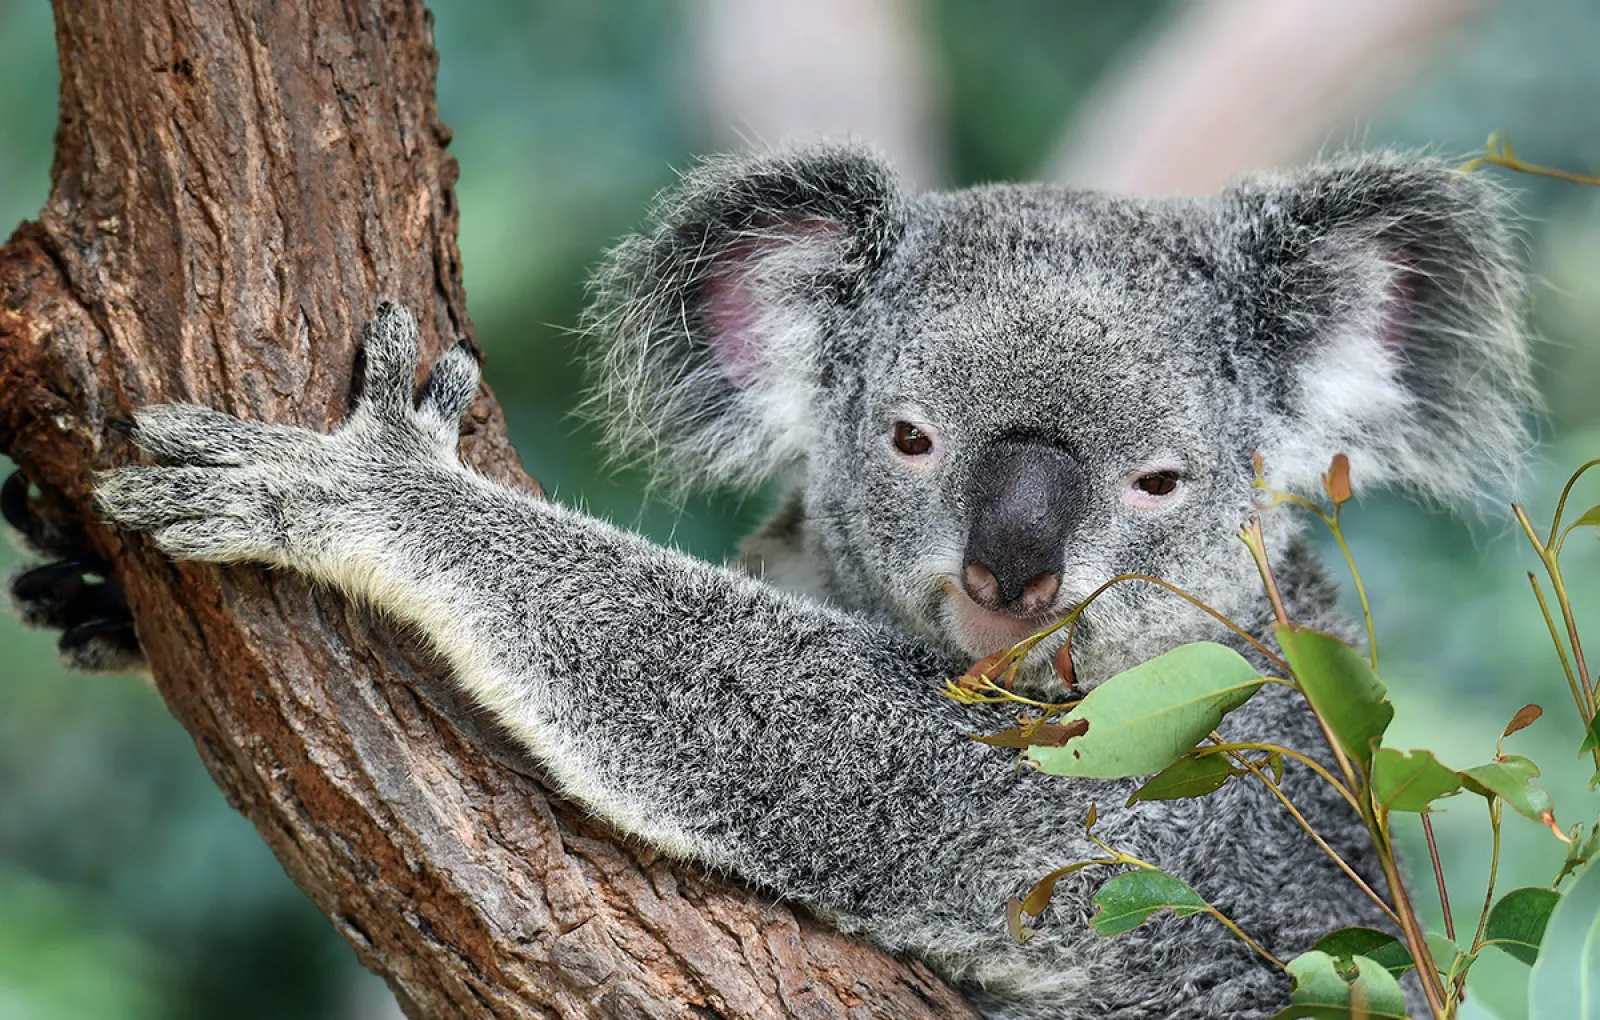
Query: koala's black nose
point(1025, 497)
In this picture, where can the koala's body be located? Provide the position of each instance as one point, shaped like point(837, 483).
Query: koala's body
point(985, 404)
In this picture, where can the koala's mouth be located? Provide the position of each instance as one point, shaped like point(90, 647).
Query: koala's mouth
point(981, 631)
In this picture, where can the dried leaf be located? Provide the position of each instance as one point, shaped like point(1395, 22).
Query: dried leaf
point(1039, 896)
point(991, 667)
point(1037, 734)
point(1525, 717)
point(1063, 666)
point(1337, 481)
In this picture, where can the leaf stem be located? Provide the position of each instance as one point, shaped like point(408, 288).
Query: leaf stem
point(1252, 943)
point(1355, 577)
point(1134, 862)
point(1561, 504)
point(1303, 759)
point(1416, 940)
point(1316, 837)
point(1561, 649)
point(1499, 154)
point(1438, 877)
point(1488, 896)
point(1549, 555)
point(1255, 541)
point(1071, 621)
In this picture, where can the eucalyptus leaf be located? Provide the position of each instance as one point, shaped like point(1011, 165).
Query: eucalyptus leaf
point(1591, 737)
point(1565, 983)
point(1517, 922)
point(1143, 720)
point(1188, 777)
point(1510, 777)
point(1130, 899)
point(1410, 780)
point(1579, 852)
point(1346, 943)
point(1321, 991)
point(1342, 688)
point(1450, 959)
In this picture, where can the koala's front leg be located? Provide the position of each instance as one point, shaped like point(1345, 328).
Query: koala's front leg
point(689, 705)
point(798, 747)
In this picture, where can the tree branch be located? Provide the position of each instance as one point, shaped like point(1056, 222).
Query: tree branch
point(235, 186)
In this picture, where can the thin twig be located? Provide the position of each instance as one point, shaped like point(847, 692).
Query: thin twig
point(1304, 759)
point(1283, 798)
point(1438, 877)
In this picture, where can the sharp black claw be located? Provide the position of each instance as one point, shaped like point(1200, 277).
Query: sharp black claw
point(105, 645)
point(53, 582)
point(14, 502)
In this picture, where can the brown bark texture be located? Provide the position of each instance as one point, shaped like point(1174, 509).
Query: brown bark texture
point(236, 185)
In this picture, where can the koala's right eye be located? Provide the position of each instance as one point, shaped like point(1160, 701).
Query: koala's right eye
point(911, 441)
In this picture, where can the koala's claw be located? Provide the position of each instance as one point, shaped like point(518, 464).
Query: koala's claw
point(186, 434)
point(74, 594)
point(102, 646)
point(449, 391)
point(229, 490)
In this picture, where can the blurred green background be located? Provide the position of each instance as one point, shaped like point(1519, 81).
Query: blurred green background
point(128, 889)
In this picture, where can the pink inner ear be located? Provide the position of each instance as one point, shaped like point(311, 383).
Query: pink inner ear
point(730, 314)
point(1399, 304)
point(732, 304)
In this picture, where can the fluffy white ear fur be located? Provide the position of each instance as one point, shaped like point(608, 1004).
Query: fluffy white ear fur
point(764, 323)
point(710, 329)
point(1396, 301)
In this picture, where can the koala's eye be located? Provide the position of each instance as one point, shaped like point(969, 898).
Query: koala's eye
point(910, 440)
point(1157, 483)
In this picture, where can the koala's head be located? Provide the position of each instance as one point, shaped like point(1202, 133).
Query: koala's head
point(993, 400)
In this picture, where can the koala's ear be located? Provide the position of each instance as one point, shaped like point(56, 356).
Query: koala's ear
point(715, 331)
point(1381, 309)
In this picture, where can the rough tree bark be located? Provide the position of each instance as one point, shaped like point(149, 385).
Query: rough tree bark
point(236, 184)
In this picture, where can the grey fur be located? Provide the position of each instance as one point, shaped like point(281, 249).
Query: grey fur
point(798, 740)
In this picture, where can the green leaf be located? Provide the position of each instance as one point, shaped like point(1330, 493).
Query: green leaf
point(1579, 852)
point(1590, 516)
point(1346, 943)
point(1342, 688)
point(1143, 720)
point(1448, 957)
point(1410, 781)
point(1188, 777)
point(1019, 931)
point(1565, 982)
point(1591, 737)
point(1516, 924)
point(1510, 778)
point(1321, 991)
point(1129, 900)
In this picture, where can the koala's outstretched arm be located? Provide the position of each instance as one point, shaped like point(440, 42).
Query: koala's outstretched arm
point(700, 710)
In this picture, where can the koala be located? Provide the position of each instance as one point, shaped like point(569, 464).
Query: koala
point(977, 407)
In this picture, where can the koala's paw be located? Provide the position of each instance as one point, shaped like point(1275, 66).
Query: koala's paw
point(73, 594)
point(228, 490)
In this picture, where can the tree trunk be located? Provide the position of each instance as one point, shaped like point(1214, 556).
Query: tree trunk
point(236, 184)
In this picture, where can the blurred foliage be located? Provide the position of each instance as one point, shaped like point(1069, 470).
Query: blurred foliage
point(129, 889)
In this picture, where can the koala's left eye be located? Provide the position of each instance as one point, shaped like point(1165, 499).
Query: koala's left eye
point(910, 440)
point(1157, 483)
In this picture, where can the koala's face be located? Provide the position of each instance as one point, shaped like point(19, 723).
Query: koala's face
point(1040, 407)
point(996, 400)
